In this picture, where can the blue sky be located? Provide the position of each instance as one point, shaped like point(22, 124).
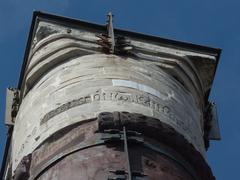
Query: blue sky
point(207, 22)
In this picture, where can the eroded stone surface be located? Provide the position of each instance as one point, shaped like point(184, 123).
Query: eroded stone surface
point(68, 79)
point(83, 87)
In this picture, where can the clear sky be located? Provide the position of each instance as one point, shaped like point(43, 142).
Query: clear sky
point(214, 23)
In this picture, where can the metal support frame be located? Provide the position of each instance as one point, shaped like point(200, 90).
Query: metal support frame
point(125, 136)
point(115, 136)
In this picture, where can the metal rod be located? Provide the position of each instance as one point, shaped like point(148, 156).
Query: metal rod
point(127, 153)
point(111, 32)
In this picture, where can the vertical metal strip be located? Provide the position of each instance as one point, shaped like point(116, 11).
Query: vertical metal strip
point(127, 153)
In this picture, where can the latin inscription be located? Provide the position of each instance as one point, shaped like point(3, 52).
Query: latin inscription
point(185, 125)
point(111, 96)
point(145, 100)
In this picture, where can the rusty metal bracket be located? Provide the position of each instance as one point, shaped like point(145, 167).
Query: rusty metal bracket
point(139, 176)
point(118, 175)
point(122, 175)
point(113, 44)
point(122, 44)
point(12, 105)
point(125, 136)
point(112, 135)
point(115, 135)
point(115, 120)
point(132, 175)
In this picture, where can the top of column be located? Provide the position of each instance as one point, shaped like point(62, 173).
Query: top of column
point(201, 60)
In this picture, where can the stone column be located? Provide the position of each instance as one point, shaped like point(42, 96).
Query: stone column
point(138, 112)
